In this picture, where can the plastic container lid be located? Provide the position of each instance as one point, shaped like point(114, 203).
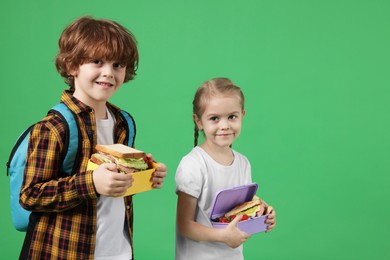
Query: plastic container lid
point(227, 199)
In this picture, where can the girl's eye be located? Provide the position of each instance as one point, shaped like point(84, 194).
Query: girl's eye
point(214, 118)
point(232, 117)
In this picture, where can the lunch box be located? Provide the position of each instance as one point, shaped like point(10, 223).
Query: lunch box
point(227, 199)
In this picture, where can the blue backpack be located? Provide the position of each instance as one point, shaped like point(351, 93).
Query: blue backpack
point(17, 159)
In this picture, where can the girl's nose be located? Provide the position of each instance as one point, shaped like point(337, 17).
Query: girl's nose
point(225, 125)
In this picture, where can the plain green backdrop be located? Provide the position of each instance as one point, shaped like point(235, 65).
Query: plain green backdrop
point(317, 129)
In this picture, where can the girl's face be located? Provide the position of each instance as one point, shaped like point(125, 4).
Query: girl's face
point(96, 81)
point(221, 121)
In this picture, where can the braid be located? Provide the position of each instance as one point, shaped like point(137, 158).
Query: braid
point(196, 135)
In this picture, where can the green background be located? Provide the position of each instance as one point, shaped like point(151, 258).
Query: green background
point(317, 129)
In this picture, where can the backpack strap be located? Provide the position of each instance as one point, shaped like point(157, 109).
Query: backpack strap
point(130, 127)
point(72, 142)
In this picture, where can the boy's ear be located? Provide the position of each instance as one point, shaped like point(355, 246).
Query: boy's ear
point(243, 112)
point(197, 122)
point(72, 73)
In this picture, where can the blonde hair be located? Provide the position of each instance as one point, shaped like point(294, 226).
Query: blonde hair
point(88, 38)
point(213, 87)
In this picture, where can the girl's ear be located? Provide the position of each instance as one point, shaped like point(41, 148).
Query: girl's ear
point(243, 112)
point(197, 122)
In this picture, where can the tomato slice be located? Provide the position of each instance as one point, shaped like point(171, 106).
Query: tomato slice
point(244, 217)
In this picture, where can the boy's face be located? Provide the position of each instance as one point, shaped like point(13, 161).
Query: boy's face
point(221, 121)
point(96, 81)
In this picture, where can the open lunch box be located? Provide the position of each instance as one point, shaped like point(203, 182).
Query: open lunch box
point(142, 179)
point(227, 199)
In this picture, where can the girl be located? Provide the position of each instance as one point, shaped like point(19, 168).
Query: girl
point(218, 111)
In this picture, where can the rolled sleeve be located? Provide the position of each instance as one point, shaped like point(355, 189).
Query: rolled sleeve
point(189, 177)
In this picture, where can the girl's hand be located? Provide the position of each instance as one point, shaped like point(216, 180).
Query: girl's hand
point(271, 219)
point(109, 182)
point(233, 236)
point(159, 174)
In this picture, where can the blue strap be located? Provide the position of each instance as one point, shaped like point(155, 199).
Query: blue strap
point(131, 126)
point(70, 157)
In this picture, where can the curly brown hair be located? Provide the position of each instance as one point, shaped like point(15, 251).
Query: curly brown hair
point(87, 38)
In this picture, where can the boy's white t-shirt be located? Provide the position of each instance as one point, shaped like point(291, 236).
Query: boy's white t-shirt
point(112, 238)
point(202, 177)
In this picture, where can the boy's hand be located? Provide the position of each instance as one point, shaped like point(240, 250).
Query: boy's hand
point(109, 182)
point(233, 236)
point(271, 219)
point(159, 174)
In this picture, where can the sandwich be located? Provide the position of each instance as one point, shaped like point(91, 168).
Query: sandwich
point(127, 159)
point(249, 209)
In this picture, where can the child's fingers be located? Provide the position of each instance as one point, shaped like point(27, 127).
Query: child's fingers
point(270, 227)
point(159, 175)
point(260, 212)
point(162, 168)
point(271, 219)
point(109, 166)
point(150, 156)
point(235, 220)
point(269, 210)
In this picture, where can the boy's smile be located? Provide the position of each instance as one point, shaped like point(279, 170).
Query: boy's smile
point(104, 84)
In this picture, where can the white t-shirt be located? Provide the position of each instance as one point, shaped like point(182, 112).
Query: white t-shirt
point(112, 238)
point(201, 177)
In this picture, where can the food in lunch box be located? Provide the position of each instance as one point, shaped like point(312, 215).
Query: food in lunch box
point(127, 159)
point(249, 209)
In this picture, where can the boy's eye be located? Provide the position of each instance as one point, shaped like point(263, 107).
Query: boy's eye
point(232, 117)
point(98, 62)
point(213, 118)
point(118, 65)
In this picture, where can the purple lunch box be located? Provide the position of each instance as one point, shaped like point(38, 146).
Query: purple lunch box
point(227, 199)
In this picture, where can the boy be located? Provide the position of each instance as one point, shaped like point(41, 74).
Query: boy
point(79, 216)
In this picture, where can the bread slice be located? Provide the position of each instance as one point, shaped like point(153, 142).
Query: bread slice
point(120, 150)
point(244, 206)
point(98, 158)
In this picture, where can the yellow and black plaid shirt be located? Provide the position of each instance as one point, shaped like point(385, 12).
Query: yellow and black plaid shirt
point(63, 222)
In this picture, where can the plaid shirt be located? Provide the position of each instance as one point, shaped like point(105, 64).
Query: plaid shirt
point(63, 220)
